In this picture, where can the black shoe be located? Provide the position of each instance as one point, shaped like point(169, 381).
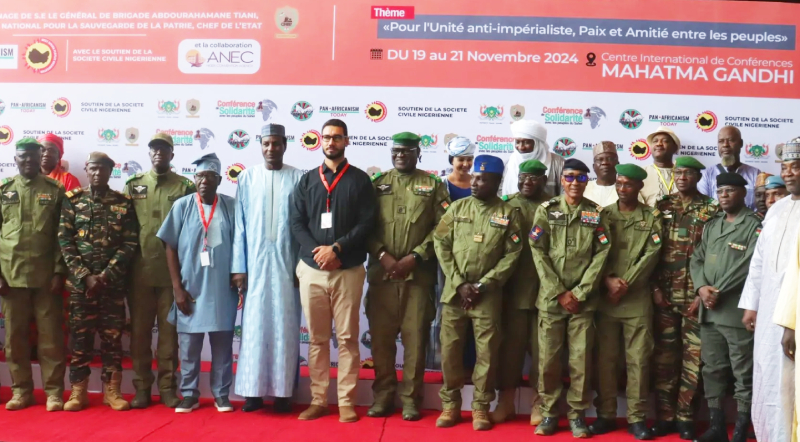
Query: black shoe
point(640, 431)
point(223, 404)
point(282, 405)
point(717, 431)
point(548, 427)
point(685, 429)
point(663, 428)
point(380, 410)
point(188, 404)
point(742, 427)
point(579, 428)
point(603, 426)
point(411, 414)
point(252, 404)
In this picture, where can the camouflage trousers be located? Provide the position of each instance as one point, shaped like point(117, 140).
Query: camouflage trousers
point(103, 314)
point(676, 365)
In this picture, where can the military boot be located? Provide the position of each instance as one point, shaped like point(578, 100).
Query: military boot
point(111, 393)
point(19, 402)
point(142, 399)
point(717, 432)
point(536, 413)
point(742, 426)
point(449, 418)
point(505, 406)
point(480, 421)
point(79, 397)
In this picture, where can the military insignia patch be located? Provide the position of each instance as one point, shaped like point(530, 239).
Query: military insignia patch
point(376, 176)
point(590, 217)
point(758, 231)
point(602, 238)
point(10, 197)
point(735, 246)
point(555, 215)
point(535, 233)
point(498, 220)
point(445, 205)
point(515, 238)
point(119, 209)
point(139, 191)
point(478, 237)
point(656, 238)
point(423, 190)
point(45, 198)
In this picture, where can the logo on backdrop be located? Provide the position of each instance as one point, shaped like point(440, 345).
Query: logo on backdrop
point(428, 142)
point(706, 121)
point(192, 108)
point(491, 113)
point(6, 135)
point(375, 111)
point(131, 136)
point(2, 107)
point(41, 56)
point(562, 115)
point(168, 108)
point(238, 109)
point(302, 110)
point(238, 139)
point(303, 362)
point(268, 109)
point(61, 107)
point(241, 297)
point(305, 336)
point(339, 111)
point(219, 56)
point(669, 120)
point(311, 140)
point(107, 137)
point(180, 137)
point(565, 147)
point(517, 112)
point(233, 171)
point(757, 151)
point(204, 136)
point(366, 339)
point(595, 115)
point(286, 20)
point(131, 168)
point(9, 54)
point(640, 149)
point(631, 119)
point(494, 144)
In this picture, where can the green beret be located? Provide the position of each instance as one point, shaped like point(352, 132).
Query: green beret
point(28, 143)
point(533, 166)
point(406, 139)
point(731, 179)
point(688, 163)
point(631, 171)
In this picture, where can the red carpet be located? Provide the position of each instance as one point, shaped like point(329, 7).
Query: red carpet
point(158, 423)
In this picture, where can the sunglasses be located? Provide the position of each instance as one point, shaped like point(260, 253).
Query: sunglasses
point(571, 178)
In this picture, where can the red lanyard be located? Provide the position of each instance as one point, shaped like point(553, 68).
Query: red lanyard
point(203, 218)
point(330, 187)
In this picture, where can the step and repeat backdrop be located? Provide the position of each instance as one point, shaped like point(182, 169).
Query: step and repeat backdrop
point(107, 76)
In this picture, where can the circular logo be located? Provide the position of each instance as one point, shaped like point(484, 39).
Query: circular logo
point(565, 147)
point(640, 149)
point(6, 135)
point(241, 297)
point(631, 119)
point(366, 339)
point(757, 151)
point(238, 139)
point(375, 111)
point(302, 110)
point(311, 140)
point(41, 56)
point(195, 58)
point(303, 362)
point(232, 174)
point(61, 107)
point(706, 121)
point(2, 107)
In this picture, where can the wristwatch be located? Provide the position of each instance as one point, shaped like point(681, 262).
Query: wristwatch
point(417, 257)
point(481, 287)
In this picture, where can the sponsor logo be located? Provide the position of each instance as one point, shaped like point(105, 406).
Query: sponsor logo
point(238, 139)
point(237, 333)
point(2, 107)
point(305, 336)
point(240, 304)
point(268, 109)
point(9, 56)
point(116, 171)
point(311, 140)
point(640, 150)
point(28, 107)
point(757, 122)
point(366, 339)
point(233, 171)
point(375, 111)
point(286, 19)
point(491, 113)
point(517, 112)
point(108, 137)
point(706, 121)
point(219, 56)
point(494, 144)
point(428, 142)
point(562, 115)
point(631, 119)
point(367, 363)
point(41, 56)
point(6, 135)
point(303, 362)
point(302, 110)
point(169, 108)
point(339, 111)
point(61, 107)
point(757, 151)
point(192, 108)
point(205, 136)
point(131, 136)
point(188, 171)
point(179, 137)
point(595, 115)
point(131, 168)
point(237, 109)
point(590, 146)
point(669, 120)
point(565, 147)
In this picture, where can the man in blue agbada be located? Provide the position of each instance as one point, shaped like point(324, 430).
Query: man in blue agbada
point(264, 259)
point(198, 235)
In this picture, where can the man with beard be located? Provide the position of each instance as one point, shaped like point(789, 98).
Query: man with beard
point(478, 244)
point(729, 147)
point(530, 143)
point(264, 257)
point(153, 194)
point(52, 153)
point(719, 270)
point(520, 323)
point(761, 192)
point(660, 180)
point(402, 275)
point(603, 191)
point(775, 190)
point(332, 216)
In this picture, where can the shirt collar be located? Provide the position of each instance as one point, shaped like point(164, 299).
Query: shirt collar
point(325, 167)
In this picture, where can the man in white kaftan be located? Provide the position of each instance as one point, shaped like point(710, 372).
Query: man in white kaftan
point(530, 143)
point(264, 259)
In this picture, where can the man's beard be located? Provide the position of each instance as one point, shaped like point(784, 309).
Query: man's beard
point(728, 160)
point(335, 156)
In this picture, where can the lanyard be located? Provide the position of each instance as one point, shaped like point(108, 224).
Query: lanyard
point(671, 181)
point(203, 218)
point(330, 187)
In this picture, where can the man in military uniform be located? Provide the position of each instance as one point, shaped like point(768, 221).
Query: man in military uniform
point(153, 194)
point(677, 333)
point(402, 274)
point(719, 269)
point(520, 318)
point(32, 277)
point(626, 309)
point(478, 244)
point(98, 236)
point(570, 245)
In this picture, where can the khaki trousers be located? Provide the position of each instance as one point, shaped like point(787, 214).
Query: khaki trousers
point(520, 336)
point(19, 306)
point(146, 304)
point(332, 296)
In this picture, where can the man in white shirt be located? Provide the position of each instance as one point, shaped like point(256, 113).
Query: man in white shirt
point(603, 191)
point(660, 181)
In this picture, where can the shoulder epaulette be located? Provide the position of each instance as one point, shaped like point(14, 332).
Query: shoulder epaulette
point(74, 192)
point(504, 198)
point(52, 181)
point(436, 178)
point(375, 176)
point(134, 177)
point(188, 182)
point(656, 212)
point(550, 203)
point(599, 207)
point(7, 180)
point(759, 216)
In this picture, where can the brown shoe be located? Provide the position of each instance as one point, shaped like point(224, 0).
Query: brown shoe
point(347, 414)
point(480, 421)
point(314, 412)
point(55, 403)
point(111, 393)
point(536, 414)
point(449, 418)
point(79, 398)
point(505, 407)
point(19, 402)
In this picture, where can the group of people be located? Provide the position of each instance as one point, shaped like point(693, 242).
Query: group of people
point(664, 270)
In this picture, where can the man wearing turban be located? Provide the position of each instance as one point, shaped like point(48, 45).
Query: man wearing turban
point(531, 144)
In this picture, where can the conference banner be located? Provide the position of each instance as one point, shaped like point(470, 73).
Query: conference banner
point(109, 75)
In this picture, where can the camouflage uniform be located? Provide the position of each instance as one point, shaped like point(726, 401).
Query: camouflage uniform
point(98, 236)
point(677, 336)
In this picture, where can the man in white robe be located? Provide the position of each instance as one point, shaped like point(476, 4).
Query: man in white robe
point(531, 144)
point(264, 258)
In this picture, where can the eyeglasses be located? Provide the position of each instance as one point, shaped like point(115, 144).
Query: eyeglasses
point(396, 152)
point(529, 177)
point(329, 138)
point(200, 177)
point(581, 178)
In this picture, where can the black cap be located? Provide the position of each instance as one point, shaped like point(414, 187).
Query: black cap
point(573, 164)
point(731, 179)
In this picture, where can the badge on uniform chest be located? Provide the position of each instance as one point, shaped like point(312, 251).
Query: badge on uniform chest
point(590, 218)
point(735, 246)
point(10, 197)
point(139, 192)
point(478, 237)
point(423, 190)
point(384, 189)
point(45, 198)
point(498, 220)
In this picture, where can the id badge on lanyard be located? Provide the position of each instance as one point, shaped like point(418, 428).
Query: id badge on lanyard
point(205, 256)
point(326, 219)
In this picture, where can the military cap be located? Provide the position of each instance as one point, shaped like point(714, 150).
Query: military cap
point(791, 150)
point(208, 162)
point(604, 147)
point(535, 167)
point(774, 182)
point(161, 138)
point(631, 171)
point(488, 163)
point(731, 179)
point(273, 129)
point(28, 143)
point(574, 164)
point(100, 158)
point(406, 139)
point(688, 163)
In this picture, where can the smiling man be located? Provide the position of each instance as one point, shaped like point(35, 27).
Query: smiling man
point(729, 148)
point(660, 179)
point(603, 190)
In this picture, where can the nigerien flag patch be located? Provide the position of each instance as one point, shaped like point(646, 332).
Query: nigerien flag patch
point(515, 238)
point(656, 238)
point(758, 231)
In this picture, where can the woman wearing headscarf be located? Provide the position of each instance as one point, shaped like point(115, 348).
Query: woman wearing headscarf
point(51, 161)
